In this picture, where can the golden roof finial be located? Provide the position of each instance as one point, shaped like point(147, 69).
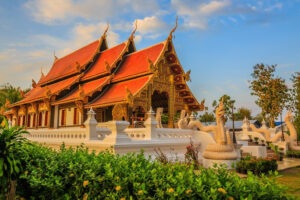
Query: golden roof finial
point(173, 30)
point(133, 32)
point(55, 57)
point(107, 27)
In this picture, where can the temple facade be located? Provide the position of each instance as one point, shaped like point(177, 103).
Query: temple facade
point(119, 83)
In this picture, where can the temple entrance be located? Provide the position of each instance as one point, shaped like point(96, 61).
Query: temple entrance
point(160, 100)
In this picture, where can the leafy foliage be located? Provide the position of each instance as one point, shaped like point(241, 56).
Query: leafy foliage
point(207, 117)
point(242, 113)
point(295, 101)
point(10, 164)
point(77, 174)
point(257, 166)
point(272, 92)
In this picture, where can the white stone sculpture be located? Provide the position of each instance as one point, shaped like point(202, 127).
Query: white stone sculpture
point(183, 120)
point(159, 112)
point(222, 151)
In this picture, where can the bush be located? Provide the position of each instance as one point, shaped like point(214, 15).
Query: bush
point(293, 154)
point(10, 164)
point(77, 174)
point(256, 166)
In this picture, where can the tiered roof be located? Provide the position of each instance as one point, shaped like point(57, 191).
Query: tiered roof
point(113, 73)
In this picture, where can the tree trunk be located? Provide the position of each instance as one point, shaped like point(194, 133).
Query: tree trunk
point(233, 129)
point(12, 192)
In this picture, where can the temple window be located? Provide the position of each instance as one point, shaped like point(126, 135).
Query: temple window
point(34, 119)
point(75, 120)
point(23, 120)
point(63, 117)
point(28, 120)
point(40, 118)
point(46, 118)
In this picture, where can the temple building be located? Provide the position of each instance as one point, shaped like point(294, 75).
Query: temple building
point(119, 83)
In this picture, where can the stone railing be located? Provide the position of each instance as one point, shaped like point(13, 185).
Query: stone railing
point(45, 134)
point(117, 136)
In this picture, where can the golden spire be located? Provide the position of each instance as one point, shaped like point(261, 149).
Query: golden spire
point(173, 30)
point(133, 32)
point(187, 76)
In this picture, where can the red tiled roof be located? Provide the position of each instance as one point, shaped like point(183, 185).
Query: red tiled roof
point(88, 88)
point(109, 56)
point(117, 92)
point(67, 65)
point(137, 62)
point(39, 92)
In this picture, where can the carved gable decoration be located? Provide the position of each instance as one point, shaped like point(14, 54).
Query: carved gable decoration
point(119, 112)
point(129, 96)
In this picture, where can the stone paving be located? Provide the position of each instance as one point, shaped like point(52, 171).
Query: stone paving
point(288, 163)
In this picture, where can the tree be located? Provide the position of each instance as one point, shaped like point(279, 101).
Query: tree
point(207, 117)
point(7, 91)
point(294, 103)
point(272, 92)
point(242, 113)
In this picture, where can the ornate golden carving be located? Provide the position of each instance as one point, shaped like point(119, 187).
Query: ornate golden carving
point(202, 105)
point(32, 108)
point(133, 32)
point(81, 94)
point(129, 96)
point(173, 30)
point(119, 112)
point(187, 76)
point(47, 92)
point(47, 105)
point(79, 105)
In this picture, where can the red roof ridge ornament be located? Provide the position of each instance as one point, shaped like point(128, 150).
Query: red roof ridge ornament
point(187, 76)
point(133, 32)
point(77, 66)
point(33, 83)
point(173, 30)
point(107, 66)
point(104, 33)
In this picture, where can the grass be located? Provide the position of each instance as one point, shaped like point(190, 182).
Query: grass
point(291, 179)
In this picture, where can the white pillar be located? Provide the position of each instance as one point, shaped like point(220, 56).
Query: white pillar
point(90, 125)
point(151, 124)
point(56, 113)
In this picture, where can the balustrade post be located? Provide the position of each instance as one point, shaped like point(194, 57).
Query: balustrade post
point(90, 125)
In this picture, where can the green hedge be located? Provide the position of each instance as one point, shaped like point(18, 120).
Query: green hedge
point(293, 154)
point(256, 166)
point(77, 174)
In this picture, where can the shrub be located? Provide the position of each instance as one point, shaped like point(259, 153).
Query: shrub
point(256, 166)
point(77, 174)
point(10, 164)
point(293, 154)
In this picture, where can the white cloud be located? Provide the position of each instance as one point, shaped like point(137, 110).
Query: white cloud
point(150, 25)
point(275, 6)
point(196, 14)
point(58, 11)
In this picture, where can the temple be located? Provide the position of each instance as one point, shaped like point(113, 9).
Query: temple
point(119, 83)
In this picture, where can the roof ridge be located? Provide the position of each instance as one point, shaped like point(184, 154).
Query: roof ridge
point(146, 48)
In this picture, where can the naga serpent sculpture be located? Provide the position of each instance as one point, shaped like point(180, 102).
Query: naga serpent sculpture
point(223, 149)
point(290, 139)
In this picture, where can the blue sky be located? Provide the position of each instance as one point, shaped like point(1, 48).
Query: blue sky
point(219, 40)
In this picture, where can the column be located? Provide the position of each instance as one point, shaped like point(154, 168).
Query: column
point(171, 103)
point(55, 122)
point(149, 105)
